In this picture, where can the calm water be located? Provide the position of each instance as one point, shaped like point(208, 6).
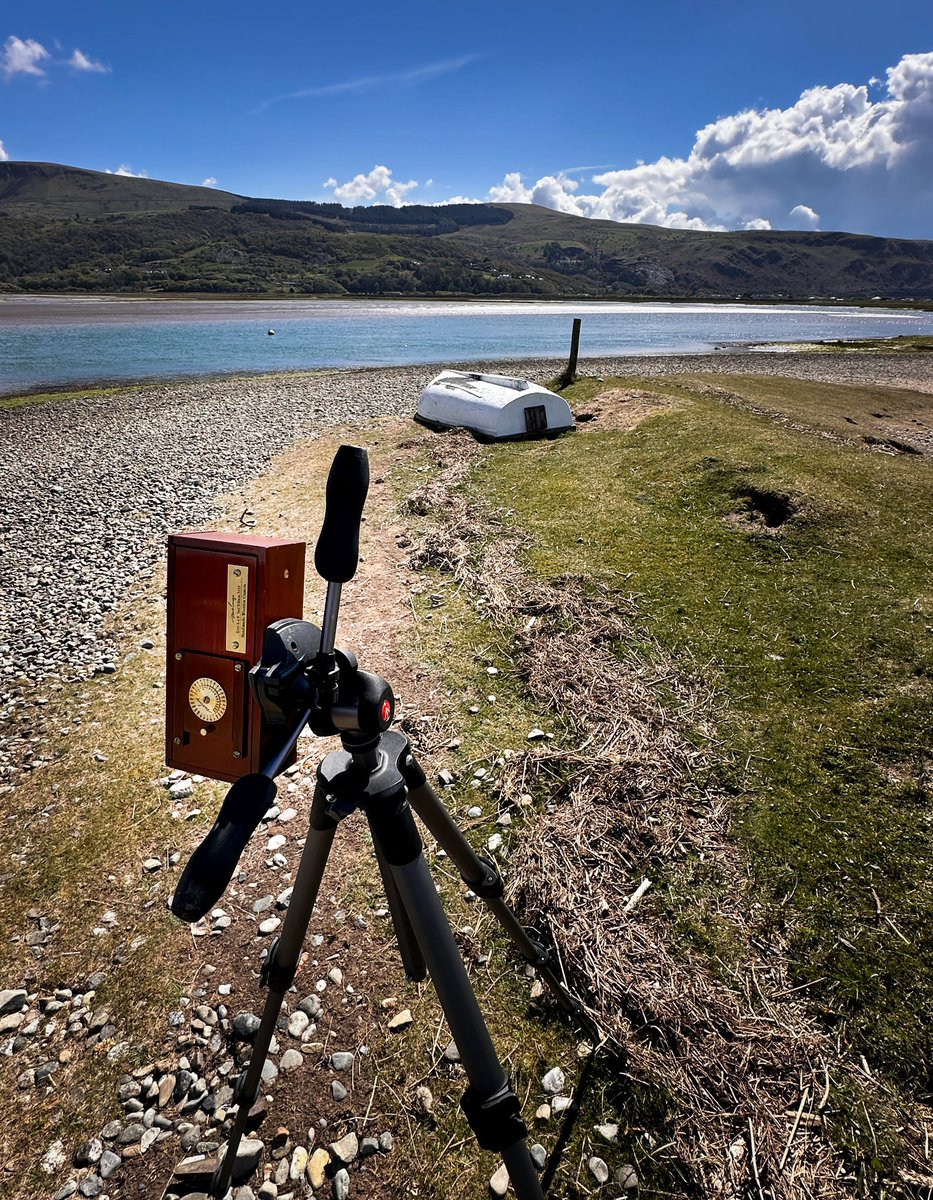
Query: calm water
point(55, 342)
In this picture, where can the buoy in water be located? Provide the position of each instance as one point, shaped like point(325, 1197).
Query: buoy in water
point(271, 332)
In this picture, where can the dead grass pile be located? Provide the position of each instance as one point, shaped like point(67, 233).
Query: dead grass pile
point(742, 1075)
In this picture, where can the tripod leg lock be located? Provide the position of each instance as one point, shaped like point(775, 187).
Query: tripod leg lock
point(275, 975)
point(490, 887)
point(496, 1120)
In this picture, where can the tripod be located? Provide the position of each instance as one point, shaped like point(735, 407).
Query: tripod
point(303, 680)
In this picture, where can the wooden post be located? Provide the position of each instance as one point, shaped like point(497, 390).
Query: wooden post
point(570, 374)
point(574, 349)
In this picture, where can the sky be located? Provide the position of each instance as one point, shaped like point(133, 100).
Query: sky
point(714, 114)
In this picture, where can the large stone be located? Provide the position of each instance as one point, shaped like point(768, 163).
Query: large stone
point(553, 1081)
point(499, 1183)
point(291, 1060)
point(317, 1167)
point(298, 1022)
point(90, 1153)
point(627, 1177)
point(342, 1060)
point(346, 1149)
point(599, 1170)
point(11, 1001)
point(109, 1162)
point(148, 1139)
point(311, 1006)
point(341, 1185)
point(298, 1165)
point(246, 1026)
point(54, 1158)
point(247, 1159)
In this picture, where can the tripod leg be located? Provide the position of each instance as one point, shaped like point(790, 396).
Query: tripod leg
point(482, 877)
point(412, 960)
point(278, 973)
point(490, 1105)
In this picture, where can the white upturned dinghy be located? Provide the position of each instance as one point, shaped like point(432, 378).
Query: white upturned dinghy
point(493, 407)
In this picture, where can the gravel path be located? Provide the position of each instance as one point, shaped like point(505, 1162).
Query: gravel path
point(92, 485)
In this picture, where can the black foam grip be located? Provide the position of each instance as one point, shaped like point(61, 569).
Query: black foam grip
point(211, 867)
point(338, 548)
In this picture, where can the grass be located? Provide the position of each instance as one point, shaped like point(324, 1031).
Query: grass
point(817, 634)
point(67, 394)
point(82, 830)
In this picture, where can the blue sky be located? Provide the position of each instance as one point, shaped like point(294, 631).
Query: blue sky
point(592, 109)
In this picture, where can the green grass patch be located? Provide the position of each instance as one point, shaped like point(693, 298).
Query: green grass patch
point(67, 394)
point(799, 571)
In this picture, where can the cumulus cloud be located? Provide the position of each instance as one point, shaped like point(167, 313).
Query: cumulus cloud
point(803, 217)
point(4, 156)
point(82, 62)
point(377, 187)
point(19, 57)
point(838, 159)
point(128, 171)
point(210, 181)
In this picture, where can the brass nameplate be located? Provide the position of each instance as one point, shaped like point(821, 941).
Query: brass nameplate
point(237, 597)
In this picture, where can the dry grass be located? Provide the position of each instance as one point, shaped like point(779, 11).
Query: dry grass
point(747, 1085)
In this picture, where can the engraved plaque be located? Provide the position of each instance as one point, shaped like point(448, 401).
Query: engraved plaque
point(237, 597)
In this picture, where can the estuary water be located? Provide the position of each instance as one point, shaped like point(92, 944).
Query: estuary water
point(51, 342)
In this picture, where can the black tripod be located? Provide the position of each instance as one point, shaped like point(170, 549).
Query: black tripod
point(302, 680)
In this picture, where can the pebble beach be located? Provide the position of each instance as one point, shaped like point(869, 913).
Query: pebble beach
point(92, 483)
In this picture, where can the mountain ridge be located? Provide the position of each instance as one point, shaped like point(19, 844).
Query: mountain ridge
point(70, 229)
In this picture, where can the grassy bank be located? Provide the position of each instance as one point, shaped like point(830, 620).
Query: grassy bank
point(796, 567)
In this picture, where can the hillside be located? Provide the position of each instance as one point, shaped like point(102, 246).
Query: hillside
point(66, 229)
point(47, 190)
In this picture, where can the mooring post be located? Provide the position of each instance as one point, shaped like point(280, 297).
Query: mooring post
point(570, 374)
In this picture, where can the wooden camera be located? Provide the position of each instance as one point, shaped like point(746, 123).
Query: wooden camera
point(223, 590)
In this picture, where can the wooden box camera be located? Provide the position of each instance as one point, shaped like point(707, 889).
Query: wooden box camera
point(223, 590)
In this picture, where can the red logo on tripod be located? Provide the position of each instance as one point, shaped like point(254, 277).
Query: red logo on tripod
point(386, 711)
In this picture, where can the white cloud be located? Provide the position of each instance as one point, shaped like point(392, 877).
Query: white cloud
point(20, 57)
point(378, 186)
point(836, 158)
point(210, 181)
point(81, 62)
point(803, 217)
point(123, 169)
point(4, 156)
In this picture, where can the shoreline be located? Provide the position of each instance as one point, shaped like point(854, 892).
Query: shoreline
point(831, 362)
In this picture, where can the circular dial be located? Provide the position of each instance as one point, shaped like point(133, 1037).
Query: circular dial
point(208, 700)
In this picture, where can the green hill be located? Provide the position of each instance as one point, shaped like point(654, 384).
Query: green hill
point(49, 190)
point(66, 229)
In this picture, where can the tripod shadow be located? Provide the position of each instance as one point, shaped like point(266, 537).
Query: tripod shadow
point(571, 1118)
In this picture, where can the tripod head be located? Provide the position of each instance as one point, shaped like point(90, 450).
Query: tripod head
point(302, 679)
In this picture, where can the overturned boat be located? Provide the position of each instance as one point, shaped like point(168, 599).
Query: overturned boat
point(493, 407)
